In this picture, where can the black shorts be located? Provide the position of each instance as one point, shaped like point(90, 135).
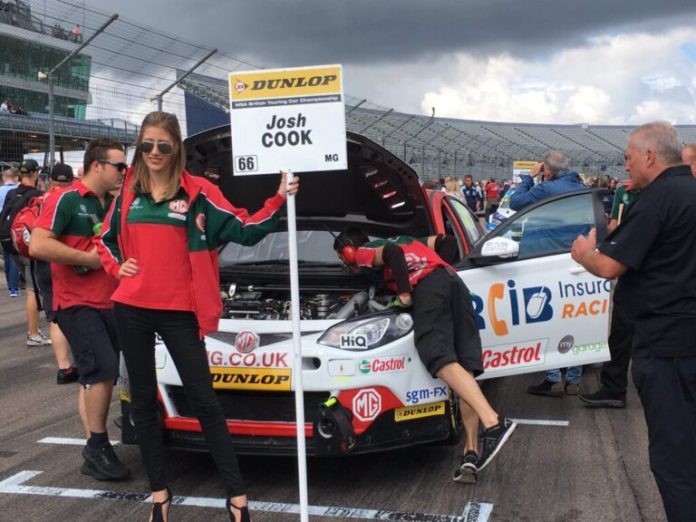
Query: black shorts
point(445, 328)
point(91, 333)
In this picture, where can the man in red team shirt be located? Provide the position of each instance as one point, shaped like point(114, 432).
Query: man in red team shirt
point(492, 190)
point(82, 292)
point(445, 331)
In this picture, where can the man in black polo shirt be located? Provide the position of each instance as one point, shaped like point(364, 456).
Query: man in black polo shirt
point(652, 254)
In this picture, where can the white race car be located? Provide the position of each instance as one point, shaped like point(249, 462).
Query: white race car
point(365, 389)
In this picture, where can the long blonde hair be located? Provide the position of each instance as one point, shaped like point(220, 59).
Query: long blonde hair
point(140, 178)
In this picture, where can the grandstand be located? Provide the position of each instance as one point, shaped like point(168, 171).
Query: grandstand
point(131, 64)
point(438, 147)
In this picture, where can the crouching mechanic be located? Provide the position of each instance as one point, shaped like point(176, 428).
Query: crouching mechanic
point(82, 291)
point(445, 331)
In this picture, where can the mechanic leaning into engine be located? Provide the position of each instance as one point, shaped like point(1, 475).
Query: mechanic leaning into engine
point(445, 331)
point(164, 223)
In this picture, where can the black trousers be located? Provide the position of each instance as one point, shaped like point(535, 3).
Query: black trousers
point(179, 331)
point(614, 374)
point(667, 390)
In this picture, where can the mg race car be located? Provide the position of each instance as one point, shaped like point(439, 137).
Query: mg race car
point(365, 389)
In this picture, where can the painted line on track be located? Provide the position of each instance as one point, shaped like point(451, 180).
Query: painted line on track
point(473, 512)
point(542, 422)
point(69, 441)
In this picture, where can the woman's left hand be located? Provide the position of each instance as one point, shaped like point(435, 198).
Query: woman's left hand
point(286, 189)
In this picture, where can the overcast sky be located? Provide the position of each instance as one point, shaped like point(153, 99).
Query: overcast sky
point(545, 61)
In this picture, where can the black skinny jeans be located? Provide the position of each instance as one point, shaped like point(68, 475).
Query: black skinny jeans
point(179, 331)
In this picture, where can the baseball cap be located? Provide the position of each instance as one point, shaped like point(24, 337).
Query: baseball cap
point(62, 172)
point(29, 165)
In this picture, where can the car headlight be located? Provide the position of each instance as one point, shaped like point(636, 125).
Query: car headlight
point(368, 332)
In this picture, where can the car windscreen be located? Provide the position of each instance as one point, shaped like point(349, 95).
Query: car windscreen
point(313, 246)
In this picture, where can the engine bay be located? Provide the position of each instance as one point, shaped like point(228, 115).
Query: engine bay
point(264, 303)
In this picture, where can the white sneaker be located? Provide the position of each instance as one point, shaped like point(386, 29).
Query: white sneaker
point(38, 340)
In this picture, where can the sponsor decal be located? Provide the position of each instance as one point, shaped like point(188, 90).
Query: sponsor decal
point(534, 305)
point(251, 379)
point(585, 308)
point(367, 404)
point(249, 360)
point(240, 86)
point(590, 347)
point(178, 205)
point(179, 217)
point(565, 344)
point(418, 412)
point(583, 288)
point(246, 341)
point(383, 365)
point(297, 82)
point(83, 208)
point(353, 342)
point(504, 305)
point(526, 353)
point(425, 394)
point(200, 222)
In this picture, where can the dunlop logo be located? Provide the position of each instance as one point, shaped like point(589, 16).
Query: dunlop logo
point(270, 379)
point(298, 82)
point(420, 411)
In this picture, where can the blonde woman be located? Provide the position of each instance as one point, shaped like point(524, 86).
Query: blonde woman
point(452, 188)
point(164, 223)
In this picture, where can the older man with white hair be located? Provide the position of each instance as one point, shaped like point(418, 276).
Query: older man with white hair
point(652, 253)
point(557, 179)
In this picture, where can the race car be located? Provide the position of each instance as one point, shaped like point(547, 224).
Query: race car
point(365, 389)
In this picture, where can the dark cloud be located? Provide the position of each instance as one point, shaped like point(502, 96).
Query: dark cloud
point(298, 32)
point(281, 32)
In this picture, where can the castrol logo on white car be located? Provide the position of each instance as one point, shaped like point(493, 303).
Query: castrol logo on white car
point(246, 341)
point(526, 353)
point(383, 364)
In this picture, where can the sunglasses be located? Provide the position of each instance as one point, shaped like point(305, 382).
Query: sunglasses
point(120, 166)
point(148, 146)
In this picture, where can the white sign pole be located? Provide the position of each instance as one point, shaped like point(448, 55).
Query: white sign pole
point(297, 351)
point(290, 119)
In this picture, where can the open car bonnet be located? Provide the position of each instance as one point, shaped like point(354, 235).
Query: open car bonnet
point(378, 191)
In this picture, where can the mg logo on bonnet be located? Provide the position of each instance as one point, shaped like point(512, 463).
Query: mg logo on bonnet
point(246, 341)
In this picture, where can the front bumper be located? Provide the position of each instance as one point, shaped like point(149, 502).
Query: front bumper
point(382, 398)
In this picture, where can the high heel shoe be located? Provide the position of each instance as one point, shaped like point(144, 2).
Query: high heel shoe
point(243, 511)
point(157, 514)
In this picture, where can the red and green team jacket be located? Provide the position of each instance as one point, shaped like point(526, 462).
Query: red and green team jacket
point(211, 221)
point(420, 259)
point(70, 213)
